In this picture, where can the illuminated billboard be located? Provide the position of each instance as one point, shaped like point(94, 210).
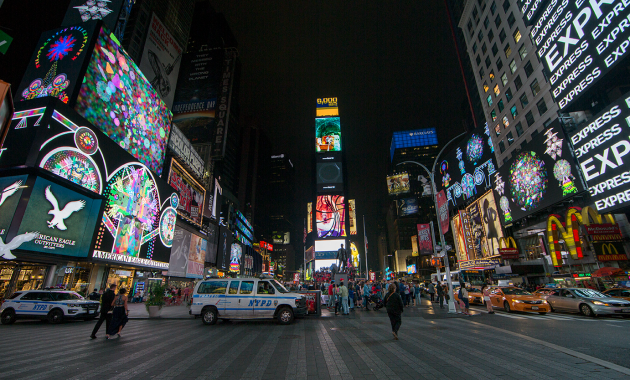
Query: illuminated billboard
point(327, 249)
point(398, 184)
point(353, 216)
point(187, 255)
point(117, 98)
point(467, 171)
point(330, 216)
point(542, 174)
point(327, 107)
point(309, 217)
point(578, 43)
point(407, 206)
point(80, 11)
point(327, 134)
point(414, 138)
point(191, 193)
point(484, 223)
point(11, 189)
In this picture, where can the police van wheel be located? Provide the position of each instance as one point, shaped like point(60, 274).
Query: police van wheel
point(209, 316)
point(55, 316)
point(8, 317)
point(285, 316)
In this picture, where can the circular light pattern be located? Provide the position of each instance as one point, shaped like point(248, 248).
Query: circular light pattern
point(474, 148)
point(528, 180)
point(562, 170)
point(86, 140)
point(174, 200)
point(504, 203)
point(479, 177)
point(74, 166)
point(457, 190)
point(167, 226)
point(468, 185)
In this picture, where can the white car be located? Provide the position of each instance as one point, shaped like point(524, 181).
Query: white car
point(51, 305)
point(245, 298)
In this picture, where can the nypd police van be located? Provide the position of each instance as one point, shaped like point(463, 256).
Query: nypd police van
point(245, 298)
point(51, 305)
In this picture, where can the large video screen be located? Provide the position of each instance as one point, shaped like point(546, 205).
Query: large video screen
point(543, 173)
point(328, 134)
point(327, 249)
point(484, 221)
point(330, 216)
point(398, 184)
point(118, 98)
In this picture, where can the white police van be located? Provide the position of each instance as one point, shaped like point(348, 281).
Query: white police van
point(245, 298)
point(53, 305)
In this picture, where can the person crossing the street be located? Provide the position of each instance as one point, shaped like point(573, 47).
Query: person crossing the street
point(106, 304)
point(395, 308)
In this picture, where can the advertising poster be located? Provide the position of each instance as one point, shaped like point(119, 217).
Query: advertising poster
point(398, 184)
point(64, 219)
point(328, 134)
point(196, 256)
point(178, 263)
point(411, 269)
point(460, 243)
point(117, 98)
point(80, 11)
point(160, 60)
point(224, 248)
point(327, 107)
point(196, 94)
point(330, 216)
point(191, 193)
point(183, 149)
point(309, 217)
point(478, 237)
point(354, 252)
point(407, 206)
point(610, 251)
point(353, 216)
point(213, 237)
point(414, 245)
point(224, 99)
point(442, 206)
point(236, 253)
point(11, 191)
point(467, 233)
point(491, 222)
point(543, 173)
point(425, 240)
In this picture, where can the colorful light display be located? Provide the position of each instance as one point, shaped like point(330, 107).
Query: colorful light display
point(235, 257)
point(328, 134)
point(528, 180)
point(74, 166)
point(398, 184)
point(191, 193)
point(474, 149)
point(330, 216)
point(562, 172)
point(117, 98)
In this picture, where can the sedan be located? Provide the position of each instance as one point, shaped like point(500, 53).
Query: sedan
point(514, 299)
point(618, 293)
point(590, 303)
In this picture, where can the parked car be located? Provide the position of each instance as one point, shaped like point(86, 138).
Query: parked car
point(512, 299)
point(589, 302)
point(52, 305)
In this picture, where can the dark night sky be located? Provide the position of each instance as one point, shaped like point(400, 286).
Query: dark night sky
point(392, 65)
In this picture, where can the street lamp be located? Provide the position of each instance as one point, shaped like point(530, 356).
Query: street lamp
point(451, 302)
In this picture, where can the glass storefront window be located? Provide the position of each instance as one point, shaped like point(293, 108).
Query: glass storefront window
point(30, 277)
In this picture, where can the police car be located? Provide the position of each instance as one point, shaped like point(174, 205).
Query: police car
point(51, 305)
point(245, 298)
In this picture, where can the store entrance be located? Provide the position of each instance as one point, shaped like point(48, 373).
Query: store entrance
point(15, 278)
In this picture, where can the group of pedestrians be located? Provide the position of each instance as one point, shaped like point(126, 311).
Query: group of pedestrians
point(114, 312)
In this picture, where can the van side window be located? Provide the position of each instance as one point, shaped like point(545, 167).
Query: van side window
point(247, 287)
point(213, 287)
point(264, 287)
point(233, 287)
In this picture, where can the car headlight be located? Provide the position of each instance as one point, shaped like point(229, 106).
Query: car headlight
point(544, 301)
point(517, 301)
point(598, 303)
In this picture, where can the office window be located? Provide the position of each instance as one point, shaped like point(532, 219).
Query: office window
point(535, 133)
point(524, 100)
point(485, 87)
point(529, 117)
point(470, 26)
point(497, 21)
point(519, 129)
point(488, 62)
point(505, 121)
point(480, 35)
point(482, 4)
point(504, 79)
point(542, 107)
point(508, 94)
point(502, 146)
point(497, 91)
point(478, 60)
point(517, 35)
point(495, 49)
point(493, 8)
point(490, 35)
point(535, 87)
point(514, 112)
point(511, 20)
point(528, 69)
point(482, 72)
point(510, 138)
point(489, 100)
point(497, 130)
point(513, 66)
point(493, 115)
point(517, 82)
point(491, 75)
point(499, 64)
point(486, 22)
point(508, 51)
point(475, 14)
point(506, 5)
point(522, 52)
point(501, 106)
point(502, 35)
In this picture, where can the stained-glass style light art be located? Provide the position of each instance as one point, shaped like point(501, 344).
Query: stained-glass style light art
point(167, 226)
point(74, 166)
point(330, 216)
point(446, 178)
point(562, 172)
point(504, 203)
point(474, 148)
point(528, 180)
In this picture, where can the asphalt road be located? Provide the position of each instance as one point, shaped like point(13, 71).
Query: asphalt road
point(432, 345)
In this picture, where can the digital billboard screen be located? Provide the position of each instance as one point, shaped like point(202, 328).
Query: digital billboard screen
point(600, 147)
point(327, 249)
point(330, 216)
point(407, 206)
point(467, 171)
point(542, 174)
point(329, 177)
point(10, 193)
point(117, 98)
point(213, 237)
point(414, 138)
point(579, 42)
point(80, 11)
point(484, 224)
point(398, 184)
point(327, 107)
point(328, 134)
point(191, 193)
point(224, 248)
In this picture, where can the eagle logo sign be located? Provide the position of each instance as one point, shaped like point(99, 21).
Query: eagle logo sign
point(10, 190)
point(60, 215)
point(5, 249)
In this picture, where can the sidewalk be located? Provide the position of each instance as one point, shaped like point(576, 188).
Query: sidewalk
point(139, 311)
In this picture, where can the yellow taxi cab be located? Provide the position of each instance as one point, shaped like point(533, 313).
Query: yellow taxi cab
point(474, 295)
point(512, 299)
point(618, 293)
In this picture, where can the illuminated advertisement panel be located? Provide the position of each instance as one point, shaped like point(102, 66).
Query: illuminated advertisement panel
point(353, 216)
point(600, 147)
point(485, 227)
point(196, 256)
point(330, 216)
point(80, 11)
point(191, 193)
point(224, 248)
point(117, 98)
point(187, 254)
point(543, 173)
point(460, 242)
point(11, 191)
point(467, 171)
point(356, 259)
point(327, 249)
point(328, 134)
point(414, 138)
point(398, 184)
point(424, 239)
point(407, 206)
point(236, 253)
point(579, 42)
point(309, 217)
point(327, 107)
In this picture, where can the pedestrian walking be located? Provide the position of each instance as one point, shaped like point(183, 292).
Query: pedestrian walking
point(407, 295)
point(394, 306)
point(440, 294)
point(463, 296)
point(351, 296)
point(94, 296)
point(120, 314)
point(431, 291)
point(366, 295)
point(331, 294)
point(343, 292)
point(486, 298)
point(106, 304)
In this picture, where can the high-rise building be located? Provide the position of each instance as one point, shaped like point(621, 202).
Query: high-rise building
point(514, 90)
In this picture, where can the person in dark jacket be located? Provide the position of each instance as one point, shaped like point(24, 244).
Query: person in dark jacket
point(106, 303)
point(394, 306)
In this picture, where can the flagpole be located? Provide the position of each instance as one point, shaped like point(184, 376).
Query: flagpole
point(304, 249)
point(367, 273)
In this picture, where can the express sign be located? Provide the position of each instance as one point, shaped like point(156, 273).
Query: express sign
point(579, 41)
point(601, 147)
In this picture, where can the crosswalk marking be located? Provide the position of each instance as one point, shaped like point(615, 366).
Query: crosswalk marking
point(556, 317)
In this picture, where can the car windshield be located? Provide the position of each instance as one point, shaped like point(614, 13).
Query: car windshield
point(279, 286)
point(516, 292)
point(590, 293)
point(66, 296)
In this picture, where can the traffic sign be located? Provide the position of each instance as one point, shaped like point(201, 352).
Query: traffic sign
point(5, 41)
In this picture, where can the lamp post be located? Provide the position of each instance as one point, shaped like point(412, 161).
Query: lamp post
point(451, 302)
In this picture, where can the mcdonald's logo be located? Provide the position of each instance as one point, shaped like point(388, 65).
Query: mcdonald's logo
point(609, 247)
point(613, 251)
point(505, 242)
